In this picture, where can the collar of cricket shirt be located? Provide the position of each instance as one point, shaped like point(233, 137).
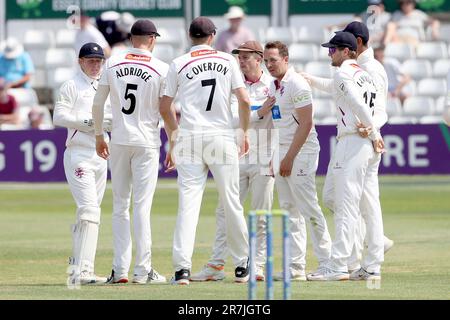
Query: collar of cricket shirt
point(366, 56)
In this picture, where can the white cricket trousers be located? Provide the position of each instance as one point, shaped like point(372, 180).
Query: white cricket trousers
point(252, 178)
point(133, 169)
point(193, 157)
point(86, 174)
point(351, 190)
point(297, 194)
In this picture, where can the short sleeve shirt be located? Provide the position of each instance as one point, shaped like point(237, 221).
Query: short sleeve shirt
point(15, 69)
point(203, 80)
point(291, 93)
point(135, 79)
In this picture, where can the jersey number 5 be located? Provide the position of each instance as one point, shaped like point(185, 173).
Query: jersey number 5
point(206, 83)
point(130, 96)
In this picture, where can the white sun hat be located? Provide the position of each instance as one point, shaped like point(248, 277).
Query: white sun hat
point(234, 12)
point(12, 48)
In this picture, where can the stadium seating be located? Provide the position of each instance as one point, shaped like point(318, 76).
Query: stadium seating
point(441, 68)
point(56, 77)
point(432, 87)
point(60, 58)
point(303, 52)
point(417, 69)
point(428, 63)
point(400, 51)
point(432, 50)
point(24, 97)
point(306, 34)
point(39, 39)
point(393, 107)
point(65, 38)
point(283, 34)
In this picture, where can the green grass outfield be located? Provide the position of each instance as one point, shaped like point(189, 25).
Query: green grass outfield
point(35, 243)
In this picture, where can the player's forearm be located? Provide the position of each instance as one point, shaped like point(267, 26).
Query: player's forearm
point(98, 108)
point(323, 84)
point(244, 116)
point(63, 118)
point(20, 83)
point(168, 114)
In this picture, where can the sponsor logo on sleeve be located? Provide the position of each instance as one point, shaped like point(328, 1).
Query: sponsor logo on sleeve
point(301, 98)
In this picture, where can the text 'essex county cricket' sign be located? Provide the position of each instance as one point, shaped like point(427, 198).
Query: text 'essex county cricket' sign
point(60, 9)
point(37, 155)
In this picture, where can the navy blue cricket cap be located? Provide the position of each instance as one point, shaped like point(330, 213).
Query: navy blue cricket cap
point(342, 39)
point(201, 27)
point(91, 50)
point(358, 29)
point(144, 27)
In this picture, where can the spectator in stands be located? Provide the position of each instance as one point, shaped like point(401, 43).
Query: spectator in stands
point(124, 25)
point(397, 78)
point(16, 66)
point(9, 110)
point(115, 27)
point(39, 118)
point(236, 34)
point(376, 18)
point(409, 24)
point(88, 33)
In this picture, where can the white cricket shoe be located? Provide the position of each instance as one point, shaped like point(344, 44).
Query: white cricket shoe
point(153, 277)
point(260, 274)
point(326, 274)
point(362, 274)
point(88, 278)
point(296, 275)
point(388, 244)
point(210, 272)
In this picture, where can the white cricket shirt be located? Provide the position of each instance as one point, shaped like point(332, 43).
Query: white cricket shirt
point(291, 93)
point(73, 106)
point(260, 129)
point(356, 95)
point(373, 67)
point(203, 79)
point(134, 77)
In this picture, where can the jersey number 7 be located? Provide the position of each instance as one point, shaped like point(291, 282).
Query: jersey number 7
point(206, 83)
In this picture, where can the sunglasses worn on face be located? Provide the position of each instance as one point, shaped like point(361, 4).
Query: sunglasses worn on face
point(331, 51)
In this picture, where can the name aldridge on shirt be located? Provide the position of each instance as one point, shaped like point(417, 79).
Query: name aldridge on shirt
point(207, 66)
point(137, 72)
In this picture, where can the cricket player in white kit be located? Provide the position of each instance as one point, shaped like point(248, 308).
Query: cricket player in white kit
point(204, 80)
point(353, 163)
point(133, 78)
point(254, 169)
point(85, 170)
point(370, 197)
point(298, 151)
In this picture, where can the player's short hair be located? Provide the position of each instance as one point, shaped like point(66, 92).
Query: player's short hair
point(282, 48)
